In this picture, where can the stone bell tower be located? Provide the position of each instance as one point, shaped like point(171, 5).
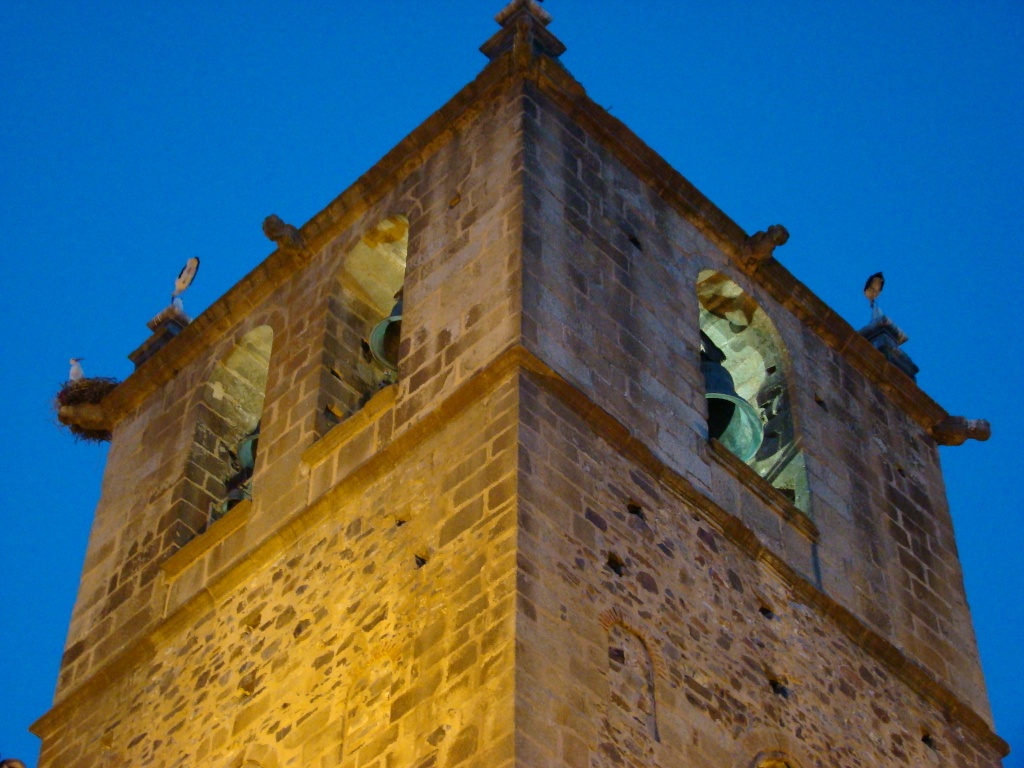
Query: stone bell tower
point(624, 493)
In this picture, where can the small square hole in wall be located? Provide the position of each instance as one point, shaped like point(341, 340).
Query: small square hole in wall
point(635, 242)
point(616, 564)
point(636, 510)
point(929, 741)
point(779, 688)
point(420, 561)
point(821, 402)
point(767, 612)
point(399, 522)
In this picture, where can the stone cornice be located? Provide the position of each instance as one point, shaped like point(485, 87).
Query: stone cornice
point(514, 361)
point(765, 491)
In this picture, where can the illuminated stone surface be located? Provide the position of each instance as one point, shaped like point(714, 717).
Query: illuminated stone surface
point(524, 552)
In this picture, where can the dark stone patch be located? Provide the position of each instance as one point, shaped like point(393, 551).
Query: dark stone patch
point(596, 519)
point(137, 739)
point(376, 619)
point(325, 658)
point(464, 746)
point(284, 617)
point(613, 754)
point(697, 688)
point(880, 713)
point(708, 538)
point(647, 581)
point(867, 676)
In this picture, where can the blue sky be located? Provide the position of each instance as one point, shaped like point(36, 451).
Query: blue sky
point(134, 135)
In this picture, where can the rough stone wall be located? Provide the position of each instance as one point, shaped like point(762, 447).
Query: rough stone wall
point(140, 520)
point(883, 494)
point(610, 302)
point(343, 650)
point(736, 666)
point(461, 299)
point(640, 634)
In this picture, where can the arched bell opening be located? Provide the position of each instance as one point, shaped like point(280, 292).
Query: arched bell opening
point(225, 443)
point(774, 759)
point(364, 322)
point(744, 362)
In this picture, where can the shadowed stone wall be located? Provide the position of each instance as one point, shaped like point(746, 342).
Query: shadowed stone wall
point(611, 303)
point(737, 663)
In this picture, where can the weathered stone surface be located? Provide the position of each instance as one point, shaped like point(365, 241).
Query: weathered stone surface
point(523, 552)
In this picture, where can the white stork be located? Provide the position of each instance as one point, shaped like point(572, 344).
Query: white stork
point(185, 278)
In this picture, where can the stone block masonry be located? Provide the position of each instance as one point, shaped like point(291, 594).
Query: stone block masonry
point(344, 649)
point(728, 660)
point(523, 551)
point(144, 493)
point(610, 302)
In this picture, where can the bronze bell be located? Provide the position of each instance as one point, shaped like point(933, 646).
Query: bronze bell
point(731, 419)
point(385, 338)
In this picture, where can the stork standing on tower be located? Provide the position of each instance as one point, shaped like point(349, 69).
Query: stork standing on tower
point(76, 374)
point(872, 289)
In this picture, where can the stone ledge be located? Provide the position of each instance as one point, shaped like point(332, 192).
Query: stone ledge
point(203, 542)
point(341, 433)
point(764, 490)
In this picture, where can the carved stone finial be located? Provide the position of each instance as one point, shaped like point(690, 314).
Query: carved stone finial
point(287, 237)
point(956, 430)
point(524, 32)
point(759, 246)
point(887, 337)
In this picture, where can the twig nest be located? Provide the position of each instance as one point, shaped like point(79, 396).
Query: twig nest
point(79, 408)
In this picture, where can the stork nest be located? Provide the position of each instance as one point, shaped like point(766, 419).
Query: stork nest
point(89, 391)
